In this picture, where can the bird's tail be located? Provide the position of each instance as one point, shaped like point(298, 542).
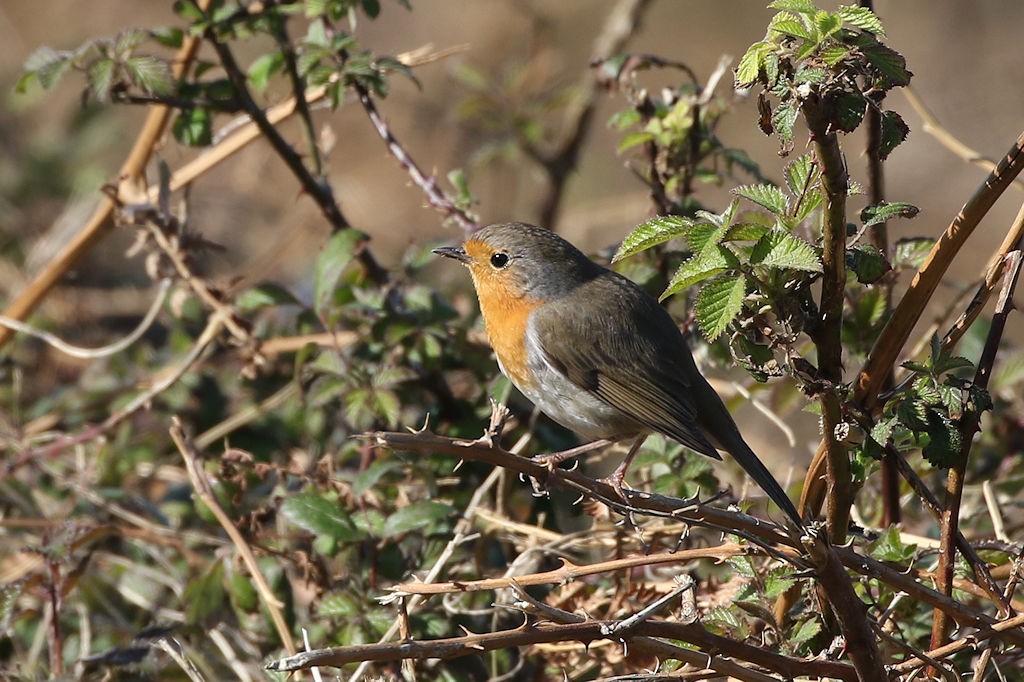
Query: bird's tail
point(750, 462)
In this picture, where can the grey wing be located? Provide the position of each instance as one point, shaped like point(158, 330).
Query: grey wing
point(645, 376)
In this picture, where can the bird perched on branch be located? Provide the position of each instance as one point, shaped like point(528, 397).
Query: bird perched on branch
point(594, 351)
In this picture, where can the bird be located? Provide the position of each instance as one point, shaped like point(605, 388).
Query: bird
point(594, 351)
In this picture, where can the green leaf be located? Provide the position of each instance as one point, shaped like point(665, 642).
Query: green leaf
point(634, 139)
point(204, 594)
point(718, 304)
point(751, 63)
point(881, 432)
point(371, 7)
point(331, 263)
point(911, 252)
point(767, 196)
point(782, 250)
point(799, 174)
point(264, 295)
point(867, 263)
point(338, 605)
point(784, 23)
point(101, 78)
point(784, 119)
point(320, 516)
point(891, 65)
point(712, 261)
point(804, 632)
point(833, 54)
point(879, 213)
point(889, 547)
point(827, 23)
point(417, 516)
point(850, 108)
point(894, 132)
point(913, 414)
point(151, 74)
point(193, 127)
point(800, 6)
point(47, 65)
point(263, 68)
point(944, 440)
point(862, 18)
point(651, 233)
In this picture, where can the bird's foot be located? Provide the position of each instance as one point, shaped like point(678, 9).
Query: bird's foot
point(553, 459)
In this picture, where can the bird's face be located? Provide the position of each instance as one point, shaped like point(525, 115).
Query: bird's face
point(516, 261)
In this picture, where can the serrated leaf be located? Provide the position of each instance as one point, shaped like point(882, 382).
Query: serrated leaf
point(320, 516)
point(879, 213)
point(850, 108)
point(745, 232)
point(894, 132)
point(718, 304)
point(798, 174)
point(749, 68)
point(827, 23)
point(651, 233)
point(101, 78)
point(766, 196)
point(867, 263)
point(710, 262)
point(151, 74)
point(47, 65)
point(419, 515)
point(804, 632)
point(369, 477)
point(944, 440)
point(784, 119)
point(889, 547)
point(785, 24)
point(862, 18)
point(801, 6)
point(881, 432)
point(913, 414)
point(833, 54)
point(331, 263)
point(891, 65)
point(782, 250)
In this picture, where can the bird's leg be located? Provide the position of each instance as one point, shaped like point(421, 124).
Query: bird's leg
point(553, 459)
point(616, 478)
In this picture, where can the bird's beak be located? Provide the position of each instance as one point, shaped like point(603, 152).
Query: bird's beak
point(455, 252)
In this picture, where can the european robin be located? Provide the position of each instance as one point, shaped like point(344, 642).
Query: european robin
point(594, 351)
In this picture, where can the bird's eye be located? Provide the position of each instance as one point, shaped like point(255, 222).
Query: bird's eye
point(500, 260)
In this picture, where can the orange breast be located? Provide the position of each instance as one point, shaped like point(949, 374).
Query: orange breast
point(506, 315)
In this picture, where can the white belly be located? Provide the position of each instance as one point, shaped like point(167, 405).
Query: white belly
point(568, 404)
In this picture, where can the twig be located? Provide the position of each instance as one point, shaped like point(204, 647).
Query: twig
point(827, 336)
point(585, 632)
point(94, 353)
point(933, 127)
point(318, 189)
point(894, 335)
point(162, 380)
point(849, 610)
point(969, 425)
point(428, 183)
point(462, 530)
point(201, 485)
point(569, 572)
point(100, 222)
